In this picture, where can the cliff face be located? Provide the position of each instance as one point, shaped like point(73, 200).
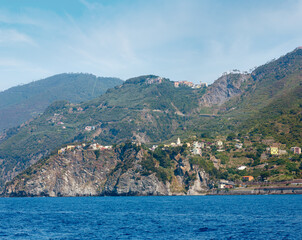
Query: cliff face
point(223, 89)
point(106, 173)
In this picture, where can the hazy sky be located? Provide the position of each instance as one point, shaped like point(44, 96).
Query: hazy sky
point(191, 40)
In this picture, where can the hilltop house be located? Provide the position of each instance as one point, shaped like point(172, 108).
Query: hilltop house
point(296, 150)
point(274, 151)
point(203, 84)
point(189, 84)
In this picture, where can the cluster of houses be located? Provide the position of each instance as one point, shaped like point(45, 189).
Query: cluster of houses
point(196, 147)
point(56, 119)
point(275, 150)
point(93, 146)
point(172, 144)
point(226, 184)
point(190, 84)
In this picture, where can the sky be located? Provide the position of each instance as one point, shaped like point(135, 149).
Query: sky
point(193, 40)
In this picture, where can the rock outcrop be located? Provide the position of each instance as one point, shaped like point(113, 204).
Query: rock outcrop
point(117, 172)
point(223, 89)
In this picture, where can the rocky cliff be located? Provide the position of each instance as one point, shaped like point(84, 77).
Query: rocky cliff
point(224, 88)
point(123, 171)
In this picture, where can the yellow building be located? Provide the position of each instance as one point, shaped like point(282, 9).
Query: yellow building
point(274, 151)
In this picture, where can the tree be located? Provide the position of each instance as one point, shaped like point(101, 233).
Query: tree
point(264, 175)
point(231, 136)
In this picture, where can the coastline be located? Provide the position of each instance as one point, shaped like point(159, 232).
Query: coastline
point(259, 191)
point(221, 192)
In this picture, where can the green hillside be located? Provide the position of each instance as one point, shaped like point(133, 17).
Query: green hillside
point(21, 103)
point(145, 109)
point(150, 109)
point(269, 85)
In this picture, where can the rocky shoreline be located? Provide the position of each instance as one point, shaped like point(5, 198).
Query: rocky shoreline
point(237, 192)
point(259, 191)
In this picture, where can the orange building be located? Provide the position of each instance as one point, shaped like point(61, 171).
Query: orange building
point(247, 178)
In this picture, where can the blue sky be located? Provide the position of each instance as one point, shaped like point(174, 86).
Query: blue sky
point(191, 40)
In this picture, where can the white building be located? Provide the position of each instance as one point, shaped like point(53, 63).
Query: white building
point(241, 168)
point(219, 143)
point(198, 144)
point(238, 145)
point(196, 151)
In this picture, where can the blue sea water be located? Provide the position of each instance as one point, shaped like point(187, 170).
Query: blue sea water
point(177, 217)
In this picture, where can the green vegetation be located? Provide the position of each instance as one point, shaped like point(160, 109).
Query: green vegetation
point(150, 109)
point(21, 103)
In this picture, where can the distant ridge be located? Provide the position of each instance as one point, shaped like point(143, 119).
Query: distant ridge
point(19, 104)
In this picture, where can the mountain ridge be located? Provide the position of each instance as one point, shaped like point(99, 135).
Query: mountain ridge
point(151, 109)
point(21, 103)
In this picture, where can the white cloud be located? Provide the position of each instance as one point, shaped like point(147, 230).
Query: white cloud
point(14, 36)
point(90, 5)
point(193, 40)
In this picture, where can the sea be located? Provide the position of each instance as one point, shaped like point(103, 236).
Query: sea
point(162, 217)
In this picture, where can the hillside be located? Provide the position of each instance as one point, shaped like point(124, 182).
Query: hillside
point(154, 110)
point(21, 103)
point(144, 109)
point(269, 92)
point(272, 85)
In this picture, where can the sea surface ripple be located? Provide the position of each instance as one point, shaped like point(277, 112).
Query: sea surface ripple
point(174, 217)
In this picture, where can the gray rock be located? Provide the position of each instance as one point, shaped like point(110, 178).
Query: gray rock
point(223, 89)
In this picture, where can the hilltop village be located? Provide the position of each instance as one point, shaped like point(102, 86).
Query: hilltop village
point(243, 160)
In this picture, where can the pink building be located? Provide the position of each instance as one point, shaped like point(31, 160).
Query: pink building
point(296, 150)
